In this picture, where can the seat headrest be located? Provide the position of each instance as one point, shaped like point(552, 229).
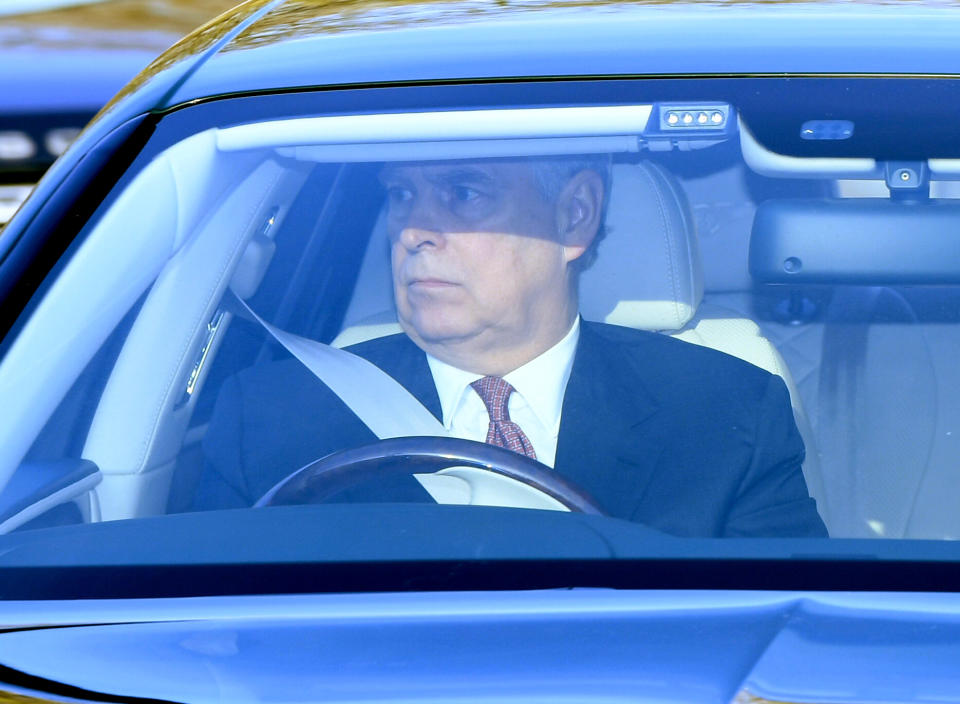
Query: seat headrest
point(647, 274)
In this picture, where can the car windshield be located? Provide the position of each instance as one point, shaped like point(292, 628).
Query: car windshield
point(643, 310)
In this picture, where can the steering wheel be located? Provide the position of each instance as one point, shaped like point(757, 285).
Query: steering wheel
point(342, 470)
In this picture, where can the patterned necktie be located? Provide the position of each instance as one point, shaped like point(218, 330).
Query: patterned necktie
point(495, 392)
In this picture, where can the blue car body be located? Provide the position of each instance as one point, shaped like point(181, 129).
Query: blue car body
point(879, 631)
point(577, 645)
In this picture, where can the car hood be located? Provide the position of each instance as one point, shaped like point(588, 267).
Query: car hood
point(570, 645)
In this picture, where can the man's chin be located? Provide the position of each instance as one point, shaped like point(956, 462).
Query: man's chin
point(428, 334)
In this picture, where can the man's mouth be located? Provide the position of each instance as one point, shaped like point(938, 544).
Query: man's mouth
point(430, 283)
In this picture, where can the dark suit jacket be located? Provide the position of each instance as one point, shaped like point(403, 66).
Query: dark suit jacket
point(679, 437)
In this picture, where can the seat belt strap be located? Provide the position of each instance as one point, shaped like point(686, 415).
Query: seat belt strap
point(382, 403)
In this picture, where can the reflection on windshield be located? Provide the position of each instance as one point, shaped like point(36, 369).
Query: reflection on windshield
point(660, 337)
point(298, 19)
point(485, 268)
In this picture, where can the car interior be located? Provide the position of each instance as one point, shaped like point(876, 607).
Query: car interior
point(857, 313)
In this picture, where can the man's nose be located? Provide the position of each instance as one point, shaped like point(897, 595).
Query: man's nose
point(422, 227)
point(413, 237)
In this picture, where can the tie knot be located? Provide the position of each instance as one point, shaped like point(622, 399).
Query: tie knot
point(494, 391)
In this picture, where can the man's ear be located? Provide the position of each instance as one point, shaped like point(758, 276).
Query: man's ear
point(579, 212)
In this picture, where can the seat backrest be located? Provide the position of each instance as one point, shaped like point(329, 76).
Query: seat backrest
point(874, 337)
point(881, 359)
point(649, 276)
point(143, 413)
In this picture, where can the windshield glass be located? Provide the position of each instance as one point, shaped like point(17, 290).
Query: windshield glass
point(720, 311)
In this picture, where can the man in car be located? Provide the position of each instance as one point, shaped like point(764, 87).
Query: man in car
point(486, 257)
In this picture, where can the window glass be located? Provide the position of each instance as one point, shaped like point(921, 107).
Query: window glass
point(678, 314)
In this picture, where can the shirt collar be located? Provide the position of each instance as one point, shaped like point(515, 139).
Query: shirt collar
point(542, 381)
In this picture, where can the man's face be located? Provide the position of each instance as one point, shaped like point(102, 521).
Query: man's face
point(477, 265)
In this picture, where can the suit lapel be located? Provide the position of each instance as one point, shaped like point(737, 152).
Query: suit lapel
point(607, 444)
point(407, 363)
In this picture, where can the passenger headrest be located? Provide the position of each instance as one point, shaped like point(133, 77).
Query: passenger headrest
point(648, 273)
point(859, 241)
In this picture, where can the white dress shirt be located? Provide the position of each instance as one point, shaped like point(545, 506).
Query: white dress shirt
point(535, 404)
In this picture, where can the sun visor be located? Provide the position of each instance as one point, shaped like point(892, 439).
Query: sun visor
point(473, 134)
point(856, 241)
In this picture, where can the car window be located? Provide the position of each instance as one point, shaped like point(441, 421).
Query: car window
point(706, 317)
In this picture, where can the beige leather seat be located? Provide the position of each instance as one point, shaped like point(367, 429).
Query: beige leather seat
point(143, 414)
point(875, 368)
point(647, 276)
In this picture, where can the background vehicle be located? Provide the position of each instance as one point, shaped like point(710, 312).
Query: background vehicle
point(782, 193)
point(63, 61)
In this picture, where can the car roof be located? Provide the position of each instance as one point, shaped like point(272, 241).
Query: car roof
point(272, 45)
point(299, 43)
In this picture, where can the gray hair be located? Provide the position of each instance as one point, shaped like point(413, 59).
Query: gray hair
point(553, 173)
